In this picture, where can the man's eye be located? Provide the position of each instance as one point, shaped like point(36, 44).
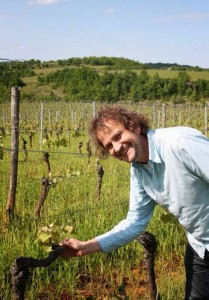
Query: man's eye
point(117, 137)
point(109, 147)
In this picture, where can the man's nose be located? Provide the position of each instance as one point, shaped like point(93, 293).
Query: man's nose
point(117, 147)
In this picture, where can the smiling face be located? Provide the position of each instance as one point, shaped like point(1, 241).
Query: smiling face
point(122, 143)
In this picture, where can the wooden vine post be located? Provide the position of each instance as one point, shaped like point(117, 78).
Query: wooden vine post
point(164, 115)
point(15, 95)
point(41, 130)
point(154, 114)
point(206, 120)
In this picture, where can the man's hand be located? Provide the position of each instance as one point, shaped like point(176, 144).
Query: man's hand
point(75, 247)
point(72, 247)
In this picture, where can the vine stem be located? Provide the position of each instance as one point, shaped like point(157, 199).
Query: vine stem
point(20, 270)
point(149, 243)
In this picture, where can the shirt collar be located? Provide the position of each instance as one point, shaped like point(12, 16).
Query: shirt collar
point(153, 153)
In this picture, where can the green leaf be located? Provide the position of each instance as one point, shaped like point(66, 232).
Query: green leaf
point(47, 248)
point(167, 217)
point(55, 237)
point(44, 237)
point(69, 229)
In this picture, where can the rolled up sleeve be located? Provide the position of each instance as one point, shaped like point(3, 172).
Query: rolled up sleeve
point(141, 208)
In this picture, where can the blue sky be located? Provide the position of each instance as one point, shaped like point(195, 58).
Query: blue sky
point(146, 31)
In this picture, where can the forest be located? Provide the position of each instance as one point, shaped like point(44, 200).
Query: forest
point(106, 79)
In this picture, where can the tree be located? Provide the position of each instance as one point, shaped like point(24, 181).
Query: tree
point(182, 80)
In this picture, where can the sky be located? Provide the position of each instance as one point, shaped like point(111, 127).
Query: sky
point(143, 30)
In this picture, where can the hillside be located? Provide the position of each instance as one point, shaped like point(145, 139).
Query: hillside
point(103, 79)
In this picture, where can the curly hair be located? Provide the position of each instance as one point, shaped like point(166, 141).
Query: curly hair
point(129, 119)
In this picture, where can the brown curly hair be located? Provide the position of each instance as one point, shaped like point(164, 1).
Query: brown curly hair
point(129, 119)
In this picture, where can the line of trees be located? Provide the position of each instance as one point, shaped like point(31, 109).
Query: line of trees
point(11, 74)
point(85, 83)
point(103, 79)
point(117, 63)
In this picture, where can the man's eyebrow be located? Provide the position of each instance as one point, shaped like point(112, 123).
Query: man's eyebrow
point(117, 133)
point(112, 139)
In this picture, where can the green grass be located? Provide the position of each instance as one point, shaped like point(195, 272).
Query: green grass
point(194, 75)
point(162, 73)
point(72, 201)
point(50, 91)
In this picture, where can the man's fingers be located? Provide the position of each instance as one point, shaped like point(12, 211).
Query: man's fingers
point(68, 252)
point(65, 242)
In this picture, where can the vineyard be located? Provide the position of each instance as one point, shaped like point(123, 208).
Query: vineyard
point(54, 146)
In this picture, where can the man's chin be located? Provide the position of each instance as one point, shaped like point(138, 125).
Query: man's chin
point(129, 159)
point(123, 159)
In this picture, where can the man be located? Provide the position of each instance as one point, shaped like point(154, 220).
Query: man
point(170, 167)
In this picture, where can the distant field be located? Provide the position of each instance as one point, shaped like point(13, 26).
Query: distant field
point(31, 82)
point(162, 73)
point(172, 74)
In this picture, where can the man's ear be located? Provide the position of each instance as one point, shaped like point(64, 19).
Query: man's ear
point(138, 130)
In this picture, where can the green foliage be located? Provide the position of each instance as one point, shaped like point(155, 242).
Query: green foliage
point(109, 62)
point(73, 202)
point(107, 79)
point(52, 234)
point(85, 84)
point(59, 142)
point(10, 75)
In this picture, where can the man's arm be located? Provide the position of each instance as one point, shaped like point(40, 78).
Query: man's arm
point(75, 247)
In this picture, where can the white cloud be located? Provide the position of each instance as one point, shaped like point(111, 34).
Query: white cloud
point(43, 2)
point(109, 11)
point(20, 47)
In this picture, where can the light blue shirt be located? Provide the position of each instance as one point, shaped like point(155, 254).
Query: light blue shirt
point(177, 178)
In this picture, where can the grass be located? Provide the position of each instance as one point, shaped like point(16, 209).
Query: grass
point(72, 201)
point(194, 75)
point(31, 82)
point(162, 73)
